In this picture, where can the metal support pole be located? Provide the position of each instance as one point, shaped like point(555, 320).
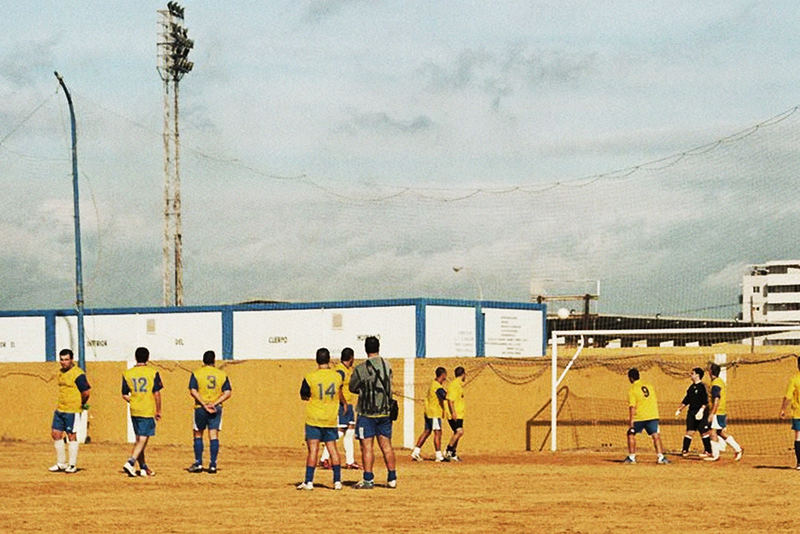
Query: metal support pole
point(176, 191)
point(77, 217)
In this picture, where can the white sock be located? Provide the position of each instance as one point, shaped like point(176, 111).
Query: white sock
point(61, 453)
point(349, 446)
point(416, 451)
point(439, 455)
point(714, 448)
point(733, 444)
point(325, 455)
point(73, 452)
point(632, 456)
point(721, 443)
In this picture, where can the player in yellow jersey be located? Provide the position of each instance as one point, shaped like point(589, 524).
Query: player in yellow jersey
point(347, 416)
point(718, 417)
point(434, 412)
point(209, 387)
point(454, 408)
point(321, 390)
point(792, 398)
point(642, 415)
point(141, 389)
point(73, 392)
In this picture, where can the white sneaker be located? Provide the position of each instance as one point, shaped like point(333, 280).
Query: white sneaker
point(128, 468)
point(454, 458)
point(147, 472)
point(392, 483)
point(711, 458)
point(71, 469)
point(308, 486)
point(337, 485)
point(738, 455)
point(56, 468)
point(416, 457)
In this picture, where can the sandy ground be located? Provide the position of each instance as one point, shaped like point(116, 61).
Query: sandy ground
point(254, 491)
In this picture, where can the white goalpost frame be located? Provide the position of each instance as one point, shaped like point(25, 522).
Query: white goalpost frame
point(555, 379)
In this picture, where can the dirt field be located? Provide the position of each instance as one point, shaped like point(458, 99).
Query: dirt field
point(254, 491)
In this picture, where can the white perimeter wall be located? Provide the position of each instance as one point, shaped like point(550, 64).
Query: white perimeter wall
point(450, 331)
point(513, 333)
point(276, 334)
point(168, 336)
point(22, 339)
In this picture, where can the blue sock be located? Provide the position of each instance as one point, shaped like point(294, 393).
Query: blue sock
point(392, 475)
point(309, 474)
point(198, 450)
point(369, 476)
point(337, 473)
point(213, 448)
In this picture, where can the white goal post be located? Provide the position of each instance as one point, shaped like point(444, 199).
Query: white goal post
point(737, 334)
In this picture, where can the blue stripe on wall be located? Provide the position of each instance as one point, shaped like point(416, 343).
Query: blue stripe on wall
point(421, 319)
point(227, 334)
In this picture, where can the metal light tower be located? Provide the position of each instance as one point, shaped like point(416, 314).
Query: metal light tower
point(173, 52)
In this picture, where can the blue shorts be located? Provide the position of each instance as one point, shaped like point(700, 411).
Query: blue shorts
point(650, 426)
point(368, 427)
point(433, 423)
point(796, 424)
point(347, 416)
point(64, 421)
point(203, 419)
point(719, 422)
point(323, 434)
point(143, 426)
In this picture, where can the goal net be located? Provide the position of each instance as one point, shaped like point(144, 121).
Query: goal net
point(588, 406)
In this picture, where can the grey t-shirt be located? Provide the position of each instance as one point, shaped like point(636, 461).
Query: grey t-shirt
point(372, 381)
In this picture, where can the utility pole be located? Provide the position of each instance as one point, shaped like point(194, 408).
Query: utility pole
point(173, 52)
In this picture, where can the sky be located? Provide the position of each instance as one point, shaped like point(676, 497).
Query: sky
point(355, 149)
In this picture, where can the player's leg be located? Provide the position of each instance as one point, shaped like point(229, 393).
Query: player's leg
point(137, 453)
point(72, 448)
point(796, 429)
point(213, 449)
point(457, 425)
point(385, 443)
point(714, 442)
point(199, 424)
point(437, 439)
point(348, 443)
point(631, 435)
point(728, 438)
point(312, 446)
point(336, 463)
point(415, 454)
point(687, 442)
point(57, 430)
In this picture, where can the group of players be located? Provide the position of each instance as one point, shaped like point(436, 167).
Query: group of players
point(335, 393)
point(141, 389)
point(708, 417)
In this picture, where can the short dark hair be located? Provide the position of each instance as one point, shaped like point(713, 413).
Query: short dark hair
point(142, 354)
point(347, 354)
point(372, 345)
point(459, 371)
point(715, 369)
point(633, 374)
point(67, 352)
point(323, 356)
point(699, 371)
point(209, 357)
point(440, 371)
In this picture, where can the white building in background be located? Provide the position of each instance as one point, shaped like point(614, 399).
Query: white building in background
point(771, 294)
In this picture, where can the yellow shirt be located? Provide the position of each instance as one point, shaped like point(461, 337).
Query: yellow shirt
point(322, 409)
point(643, 397)
point(349, 397)
point(433, 405)
point(455, 394)
point(793, 394)
point(70, 383)
point(141, 382)
point(209, 382)
point(723, 395)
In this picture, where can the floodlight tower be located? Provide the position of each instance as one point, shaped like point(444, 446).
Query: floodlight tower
point(173, 53)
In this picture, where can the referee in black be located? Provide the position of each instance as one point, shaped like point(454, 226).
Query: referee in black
point(697, 400)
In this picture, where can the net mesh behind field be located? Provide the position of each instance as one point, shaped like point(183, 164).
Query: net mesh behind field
point(593, 409)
